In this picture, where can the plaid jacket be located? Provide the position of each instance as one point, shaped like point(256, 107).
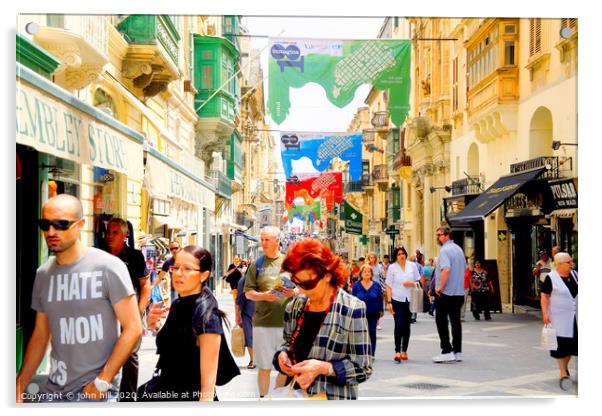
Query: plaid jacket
point(343, 341)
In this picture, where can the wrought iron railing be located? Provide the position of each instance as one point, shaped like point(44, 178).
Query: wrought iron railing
point(466, 186)
point(380, 173)
point(538, 162)
point(368, 136)
point(380, 119)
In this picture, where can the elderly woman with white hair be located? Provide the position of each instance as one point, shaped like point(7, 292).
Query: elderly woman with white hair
point(559, 303)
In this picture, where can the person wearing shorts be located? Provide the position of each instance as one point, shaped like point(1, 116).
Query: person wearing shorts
point(268, 319)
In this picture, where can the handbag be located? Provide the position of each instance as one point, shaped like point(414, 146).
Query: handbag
point(237, 341)
point(288, 392)
point(149, 391)
point(548, 338)
point(416, 304)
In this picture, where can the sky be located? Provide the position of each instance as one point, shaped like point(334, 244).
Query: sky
point(310, 109)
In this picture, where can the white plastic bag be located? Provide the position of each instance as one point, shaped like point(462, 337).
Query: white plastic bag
point(548, 338)
point(416, 301)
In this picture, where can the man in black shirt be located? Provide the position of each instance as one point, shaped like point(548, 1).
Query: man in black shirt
point(117, 232)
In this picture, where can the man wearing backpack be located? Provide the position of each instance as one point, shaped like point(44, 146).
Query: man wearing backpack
point(268, 319)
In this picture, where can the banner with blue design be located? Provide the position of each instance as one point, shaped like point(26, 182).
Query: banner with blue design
point(321, 148)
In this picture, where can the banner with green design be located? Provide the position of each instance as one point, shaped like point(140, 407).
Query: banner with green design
point(340, 67)
point(309, 213)
point(353, 219)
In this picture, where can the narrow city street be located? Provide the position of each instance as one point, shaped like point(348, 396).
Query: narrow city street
point(501, 358)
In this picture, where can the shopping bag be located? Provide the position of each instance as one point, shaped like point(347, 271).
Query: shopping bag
point(237, 341)
point(288, 392)
point(416, 304)
point(548, 338)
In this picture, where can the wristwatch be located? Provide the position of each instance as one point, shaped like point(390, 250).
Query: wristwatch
point(101, 385)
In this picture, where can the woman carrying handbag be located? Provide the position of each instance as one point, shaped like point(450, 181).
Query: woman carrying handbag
point(326, 347)
point(193, 351)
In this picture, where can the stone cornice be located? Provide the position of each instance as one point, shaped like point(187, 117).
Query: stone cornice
point(81, 62)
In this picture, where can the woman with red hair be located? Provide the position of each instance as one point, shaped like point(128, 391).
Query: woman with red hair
point(326, 342)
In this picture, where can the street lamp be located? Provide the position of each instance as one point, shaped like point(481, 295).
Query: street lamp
point(446, 187)
point(556, 144)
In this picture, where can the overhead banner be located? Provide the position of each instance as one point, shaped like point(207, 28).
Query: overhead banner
point(305, 212)
point(353, 219)
point(340, 67)
point(310, 187)
point(321, 148)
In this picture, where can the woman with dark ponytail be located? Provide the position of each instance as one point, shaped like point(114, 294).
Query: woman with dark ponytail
point(326, 342)
point(192, 341)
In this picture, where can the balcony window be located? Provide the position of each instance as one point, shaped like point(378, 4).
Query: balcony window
point(483, 57)
point(509, 51)
point(207, 80)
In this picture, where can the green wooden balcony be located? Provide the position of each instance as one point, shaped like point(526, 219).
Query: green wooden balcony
point(222, 183)
point(148, 29)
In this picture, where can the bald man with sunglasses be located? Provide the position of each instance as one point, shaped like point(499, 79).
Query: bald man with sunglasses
point(81, 295)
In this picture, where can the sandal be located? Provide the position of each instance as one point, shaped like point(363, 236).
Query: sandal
point(397, 357)
point(565, 383)
point(251, 365)
point(404, 356)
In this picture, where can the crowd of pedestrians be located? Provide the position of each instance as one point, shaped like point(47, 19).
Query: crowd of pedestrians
point(308, 313)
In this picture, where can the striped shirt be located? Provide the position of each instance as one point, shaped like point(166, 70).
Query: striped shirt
point(343, 341)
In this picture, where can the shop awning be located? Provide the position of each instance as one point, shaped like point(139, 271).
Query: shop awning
point(160, 221)
point(494, 196)
point(52, 120)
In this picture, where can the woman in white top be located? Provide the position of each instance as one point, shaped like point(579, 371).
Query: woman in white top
point(401, 277)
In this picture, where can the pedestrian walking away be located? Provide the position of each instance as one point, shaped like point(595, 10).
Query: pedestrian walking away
point(268, 320)
point(379, 275)
point(326, 343)
point(174, 248)
point(467, 277)
point(481, 292)
point(244, 318)
point(559, 307)
point(401, 277)
point(193, 352)
point(368, 291)
point(449, 292)
point(85, 367)
point(117, 233)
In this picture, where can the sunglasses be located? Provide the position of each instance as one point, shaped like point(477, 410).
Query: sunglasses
point(174, 248)
point(59, 225)
point(307, 284)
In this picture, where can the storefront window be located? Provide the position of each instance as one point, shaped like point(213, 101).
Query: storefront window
point(63, 177)
point(105, 201)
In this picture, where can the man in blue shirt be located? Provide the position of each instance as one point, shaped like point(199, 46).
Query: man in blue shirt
point(449, 293)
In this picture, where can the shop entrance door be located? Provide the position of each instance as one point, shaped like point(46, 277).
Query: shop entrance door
point(26, 240)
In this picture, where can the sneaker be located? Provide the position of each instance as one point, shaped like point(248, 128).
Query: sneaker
point(444, 358)
point(458, 356)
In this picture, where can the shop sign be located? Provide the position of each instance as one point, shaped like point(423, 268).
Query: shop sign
point(164, 181)
point(52, 127)
point(564, 193)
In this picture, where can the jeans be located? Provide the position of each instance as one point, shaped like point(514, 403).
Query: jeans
point(129, 379)
point(372, 322)
point(481, 304)
point(449, 306)
point(402, 319)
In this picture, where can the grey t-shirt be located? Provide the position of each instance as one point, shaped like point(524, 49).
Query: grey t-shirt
point(78, 299)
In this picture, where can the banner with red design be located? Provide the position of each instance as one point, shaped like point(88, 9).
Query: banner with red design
point(328, 185)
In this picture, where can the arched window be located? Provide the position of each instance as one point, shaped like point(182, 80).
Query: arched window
point(540, 133)
point(103, 101)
